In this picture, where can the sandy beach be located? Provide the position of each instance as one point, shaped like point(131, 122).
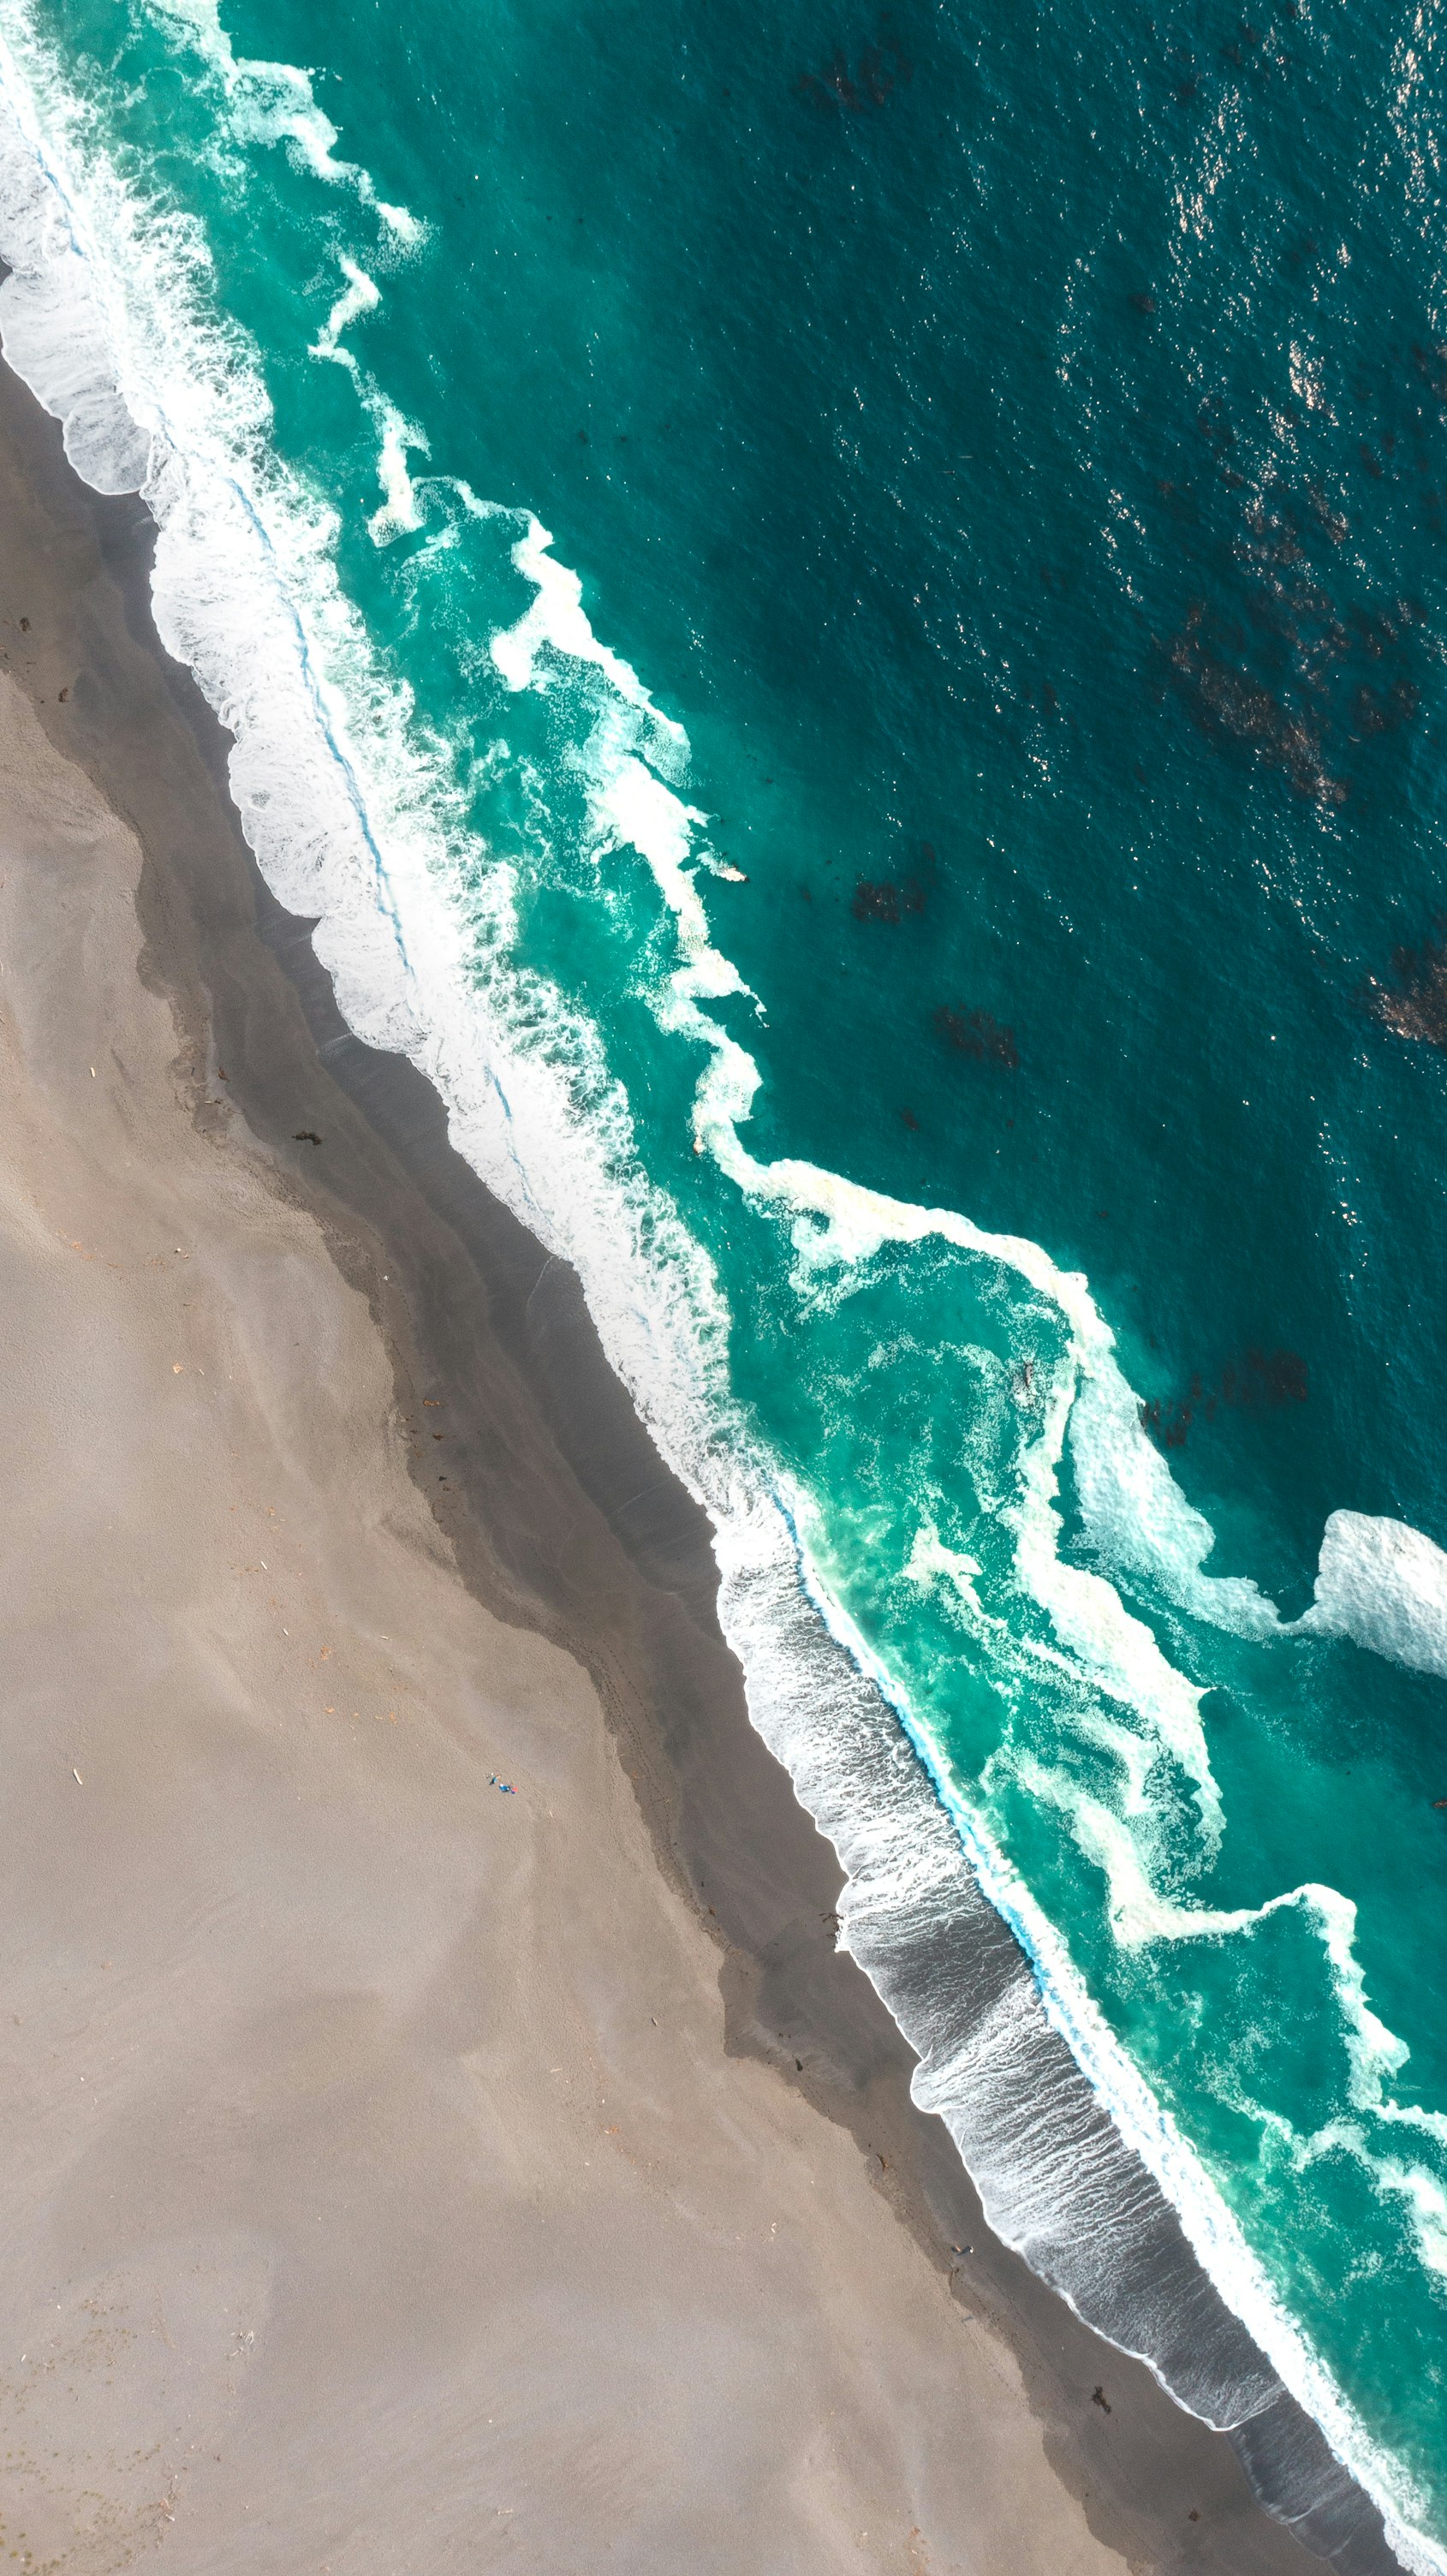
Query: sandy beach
point(440, 2130)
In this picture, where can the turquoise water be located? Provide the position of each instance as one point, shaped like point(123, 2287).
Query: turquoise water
point(844, 613)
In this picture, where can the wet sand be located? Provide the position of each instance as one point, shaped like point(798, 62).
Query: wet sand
point(406, 2172)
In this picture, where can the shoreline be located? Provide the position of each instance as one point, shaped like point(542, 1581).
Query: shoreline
point(562, 1519)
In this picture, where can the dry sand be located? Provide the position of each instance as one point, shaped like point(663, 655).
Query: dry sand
point(403, 2175)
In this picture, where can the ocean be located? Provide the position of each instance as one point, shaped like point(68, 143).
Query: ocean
point(841, 617)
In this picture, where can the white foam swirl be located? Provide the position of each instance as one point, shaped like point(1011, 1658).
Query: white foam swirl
point(273, 103)
point(1385, 1584)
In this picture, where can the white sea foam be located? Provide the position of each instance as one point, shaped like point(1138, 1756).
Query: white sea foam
point(107, 315)
point(271, 103)
point(1132, 1510)
point(360, 295)
point(1385, 1584)
point(397, 438)
point(929, 1559)
point(555, 629)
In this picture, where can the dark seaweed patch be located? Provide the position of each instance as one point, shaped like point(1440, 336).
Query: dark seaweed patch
point(857, 87)
point(1257, 1382)
point(1293, 665)
point(1416, 1005)
point(976, 1034)
point(1375, 712)
point(1225, 701)
point(886, 902)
